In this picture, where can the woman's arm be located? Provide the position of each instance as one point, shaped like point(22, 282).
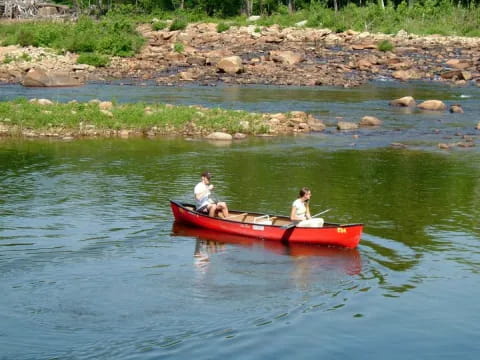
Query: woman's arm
point(307, 214)
point(293, 214)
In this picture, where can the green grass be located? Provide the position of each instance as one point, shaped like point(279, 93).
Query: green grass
point(221, 27)
point(93, 59)
point(159, 25)
point(385, 45)
point(21, 114)
point(179, 47)
point(179, 23)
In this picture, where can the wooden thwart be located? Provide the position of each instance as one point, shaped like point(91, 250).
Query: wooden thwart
point(236, 215)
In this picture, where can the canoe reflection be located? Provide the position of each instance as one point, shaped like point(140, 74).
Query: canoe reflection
point(210, 242)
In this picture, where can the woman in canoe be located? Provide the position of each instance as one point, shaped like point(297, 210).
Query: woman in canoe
point(300, 213)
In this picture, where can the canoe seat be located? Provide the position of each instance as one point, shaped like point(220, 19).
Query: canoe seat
point(236, 216)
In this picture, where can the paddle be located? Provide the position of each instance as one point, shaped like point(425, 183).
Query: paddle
point(292, 225)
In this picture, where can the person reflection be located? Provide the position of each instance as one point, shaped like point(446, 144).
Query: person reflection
point(200, 258)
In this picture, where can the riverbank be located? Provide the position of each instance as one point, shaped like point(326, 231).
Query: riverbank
point(271, 55)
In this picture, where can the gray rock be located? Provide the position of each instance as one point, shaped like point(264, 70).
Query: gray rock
point(41, 78)
point(345, 125)
point(433, 105)
point(406, 101)
point(219, 136)
point(230, 65)
point(370, 121)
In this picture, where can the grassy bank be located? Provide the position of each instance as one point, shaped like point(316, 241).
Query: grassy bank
point(115, 34)
point(22, 117)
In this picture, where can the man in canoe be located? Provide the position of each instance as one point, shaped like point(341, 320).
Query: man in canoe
point(204, 202)
point(300, 213)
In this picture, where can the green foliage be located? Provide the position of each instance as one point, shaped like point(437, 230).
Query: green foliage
point(178, 23)
point(8, 59)
point(221, 27)
point(159, 25)
point(385, 45)
point(179, 47)
point(93, 59)
point(113, 35)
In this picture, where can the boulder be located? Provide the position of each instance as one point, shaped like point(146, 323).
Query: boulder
point(456, 75)
point(279, 116)
point(186, 76)
point(466, 75)
point(345, 125)
point(239, 136)
point(370, 121)
point(219, 136)
point(398, 145)
point(433, 105)
point(107, 113)
point(40, 101)
point(317, 126)
point(466, 144)
point(405, 75)
point(456, 108)
point(44, 102)
point(286, 57)
point(106, 105)
point(230, 65)
point(41, 78)
point(404, 101)
point(459, 64)
point(444, 146)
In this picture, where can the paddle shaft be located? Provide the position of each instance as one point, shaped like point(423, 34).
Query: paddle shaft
point(320, 213)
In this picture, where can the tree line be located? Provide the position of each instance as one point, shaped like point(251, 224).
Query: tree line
point(226, 8)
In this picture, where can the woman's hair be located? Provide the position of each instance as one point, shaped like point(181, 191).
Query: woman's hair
point(303, 191)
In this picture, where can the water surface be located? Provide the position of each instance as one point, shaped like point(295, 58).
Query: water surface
point(92, 265)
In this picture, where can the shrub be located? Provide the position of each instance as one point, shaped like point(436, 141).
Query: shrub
point(179, 47)
point(159, 25)
point(385, 45)
point(178, 24)
point(8, 59)
point(221, 27)
point(26, 37)
point(93, 59)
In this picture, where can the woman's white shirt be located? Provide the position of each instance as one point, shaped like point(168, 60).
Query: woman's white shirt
point(300, 209)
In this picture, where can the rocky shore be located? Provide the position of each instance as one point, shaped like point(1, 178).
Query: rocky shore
point(262, 55)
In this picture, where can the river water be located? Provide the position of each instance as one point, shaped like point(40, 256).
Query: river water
point(92, 265)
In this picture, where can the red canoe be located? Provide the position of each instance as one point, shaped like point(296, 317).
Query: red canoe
point(263, 226)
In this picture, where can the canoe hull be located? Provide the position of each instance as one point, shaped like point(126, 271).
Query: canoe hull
point(331, 234)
